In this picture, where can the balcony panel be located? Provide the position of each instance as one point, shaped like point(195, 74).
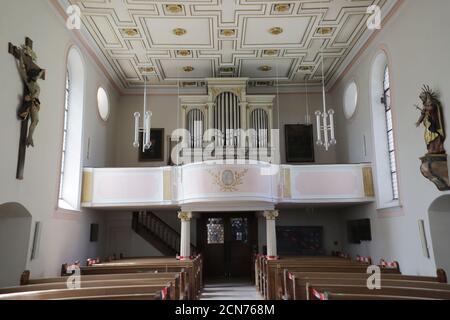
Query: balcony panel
point(205, 186)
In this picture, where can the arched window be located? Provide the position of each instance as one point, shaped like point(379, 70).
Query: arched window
point(70, 176)
point(390, 132)
point(384, 135)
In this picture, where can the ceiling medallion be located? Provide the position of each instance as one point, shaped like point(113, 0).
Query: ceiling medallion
point(227, 32)
point(188, 69)
point(227, 69)
point(131, 32)
point(174, 8)
point(275, 31)
point(179, 31)
point(265, 68)
point(306, 68)
point(184, 53)
point(323, 31)
point(147, 70)
point(282, 7)
point(270, 52)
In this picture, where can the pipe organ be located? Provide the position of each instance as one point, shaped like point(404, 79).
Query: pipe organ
point(238, 120)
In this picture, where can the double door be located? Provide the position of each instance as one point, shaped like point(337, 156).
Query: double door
point(228, 242)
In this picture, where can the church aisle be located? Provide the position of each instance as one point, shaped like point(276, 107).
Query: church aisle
point(230, 291)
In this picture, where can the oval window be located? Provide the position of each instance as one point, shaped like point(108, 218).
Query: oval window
point(350, 100)
point(103, 104)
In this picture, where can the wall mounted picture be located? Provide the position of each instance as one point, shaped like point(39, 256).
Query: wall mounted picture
point(299, 142)
point(156, 151)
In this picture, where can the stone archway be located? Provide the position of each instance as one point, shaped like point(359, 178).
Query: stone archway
point(15, 228)
point(439, 215)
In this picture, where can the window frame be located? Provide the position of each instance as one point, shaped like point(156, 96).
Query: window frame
point(75, 69)
point(385, 196)
point(392, 149)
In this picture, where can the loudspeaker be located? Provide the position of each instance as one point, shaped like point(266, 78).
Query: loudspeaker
point(94, 232)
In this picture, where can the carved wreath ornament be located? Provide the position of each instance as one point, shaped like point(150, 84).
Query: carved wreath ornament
point(228, 180)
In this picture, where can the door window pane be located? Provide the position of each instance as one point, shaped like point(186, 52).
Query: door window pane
point(239, 229)
point(215, 231)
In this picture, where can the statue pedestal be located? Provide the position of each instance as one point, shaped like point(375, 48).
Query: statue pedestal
point(434, 167)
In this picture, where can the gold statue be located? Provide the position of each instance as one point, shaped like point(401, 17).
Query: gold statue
point(433, 120)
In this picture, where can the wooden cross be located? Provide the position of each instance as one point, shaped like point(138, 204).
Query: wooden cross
point(13, 50)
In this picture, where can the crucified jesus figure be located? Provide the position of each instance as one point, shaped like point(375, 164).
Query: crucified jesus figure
point(30, 73)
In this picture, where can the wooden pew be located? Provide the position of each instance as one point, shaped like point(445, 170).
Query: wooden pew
point(293, 281)
point(300, 284)
point(275, 269)
point(319, 292)
point(356, 297)
point(158, 292)
point(193, 268)
point(175, 282)
point(265, 276)
point(179, 279)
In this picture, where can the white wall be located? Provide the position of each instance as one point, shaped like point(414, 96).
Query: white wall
point(120, 238)
point(165, 115)
point(417, 54)
point(65, 237)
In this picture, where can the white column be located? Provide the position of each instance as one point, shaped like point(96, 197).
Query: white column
point(185, 243)
point(271, 234)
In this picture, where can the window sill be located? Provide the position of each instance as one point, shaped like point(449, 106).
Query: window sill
point(389, 205)
point(64, 208)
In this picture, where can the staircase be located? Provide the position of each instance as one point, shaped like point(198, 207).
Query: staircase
point(157, 233)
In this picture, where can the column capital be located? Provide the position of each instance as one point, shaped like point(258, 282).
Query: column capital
point(271, 214)
point(185, 215)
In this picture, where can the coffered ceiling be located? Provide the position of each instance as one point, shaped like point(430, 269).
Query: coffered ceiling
point(188, 40)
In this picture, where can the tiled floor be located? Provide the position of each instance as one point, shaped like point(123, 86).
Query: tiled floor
point(234, 290)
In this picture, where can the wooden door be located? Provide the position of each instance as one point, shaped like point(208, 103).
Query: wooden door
point(228, 242)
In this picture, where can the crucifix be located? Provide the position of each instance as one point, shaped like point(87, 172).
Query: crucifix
point(28, 111)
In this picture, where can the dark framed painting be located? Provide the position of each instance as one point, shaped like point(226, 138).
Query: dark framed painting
point(156, 151)
point(299, 142)
point(300, 240)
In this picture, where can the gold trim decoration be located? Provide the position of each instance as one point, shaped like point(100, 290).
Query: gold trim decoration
point(131, 32)
point(282, 7)
point(86, 195)
point(188, 69)
point(270, 52)
point(167, 182)
point(227, 32)
point(147, 70)
point(179, 31)
point(368, 182)
point(265, 68)
point(275, 31)
point(306, 69)
point(271, 215)
point(228, 180)
point(323, 31)
point(185, 215)
point(287, 192)
point(227, 69)
point(184, 53)
point(174, 8)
